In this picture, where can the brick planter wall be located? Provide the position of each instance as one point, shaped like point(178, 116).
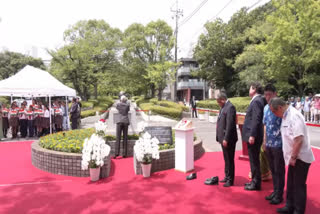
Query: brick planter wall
point(167, 159)
point(63, 163)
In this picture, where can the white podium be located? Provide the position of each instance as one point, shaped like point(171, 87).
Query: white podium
point(184, 155)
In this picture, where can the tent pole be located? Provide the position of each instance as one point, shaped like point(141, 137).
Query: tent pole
point(50, 114)
point(67, 109)
point(11, 99)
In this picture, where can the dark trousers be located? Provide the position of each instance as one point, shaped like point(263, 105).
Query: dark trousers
point(228, 156)
point(194, 112)
point(74, 122)
point(297, 187)
point(23, 127)
point(254, 153)
point(30, 128)
point(278, 170)
point(122, 129)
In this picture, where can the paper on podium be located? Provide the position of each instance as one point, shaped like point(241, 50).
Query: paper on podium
point(184, 124)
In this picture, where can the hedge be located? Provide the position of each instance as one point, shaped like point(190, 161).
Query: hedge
point(167, 111)
point(72, 141)
point(241, 103)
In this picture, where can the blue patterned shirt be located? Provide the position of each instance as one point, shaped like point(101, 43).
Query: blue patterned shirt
point(273, 125)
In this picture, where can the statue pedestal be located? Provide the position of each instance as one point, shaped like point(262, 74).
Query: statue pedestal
point(114, 118)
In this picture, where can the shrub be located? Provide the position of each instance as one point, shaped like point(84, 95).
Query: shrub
point(94, 101)
point(87, 104)
point(241, 103)
point(68, 141)
point(72, 141)
point(141, 100)
point(146, 106)
point(168, 112)
point(88, 113)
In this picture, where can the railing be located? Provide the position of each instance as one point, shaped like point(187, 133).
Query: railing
point(185, 71)
point(190, 84)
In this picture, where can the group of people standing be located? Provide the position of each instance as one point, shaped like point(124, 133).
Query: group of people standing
point(309, 106)
point(280, 130)
point(32, 120)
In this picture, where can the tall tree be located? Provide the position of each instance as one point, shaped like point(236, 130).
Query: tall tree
point(292, 51)
point(11, 63)
point(145, 46)
point(89, 56)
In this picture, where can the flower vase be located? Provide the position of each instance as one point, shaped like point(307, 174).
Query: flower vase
point(146, 169)
point(94, 174)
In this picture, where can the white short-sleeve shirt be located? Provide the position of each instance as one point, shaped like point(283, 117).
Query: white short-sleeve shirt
point(293, 126)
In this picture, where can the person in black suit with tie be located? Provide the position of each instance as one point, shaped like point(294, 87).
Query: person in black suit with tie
point(226, 135)
point(122, 126)
point(252, 133)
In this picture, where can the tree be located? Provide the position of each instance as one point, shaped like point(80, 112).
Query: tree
point(11, 63)
point(145, 47)
point(292, 51)
point(161, 74)
point(89, 56)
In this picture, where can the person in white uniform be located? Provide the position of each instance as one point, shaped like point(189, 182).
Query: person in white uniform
point(297, 154)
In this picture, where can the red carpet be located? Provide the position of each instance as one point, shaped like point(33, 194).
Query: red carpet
point(25, 189)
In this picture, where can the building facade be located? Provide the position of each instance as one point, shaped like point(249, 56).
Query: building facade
point(187, 85)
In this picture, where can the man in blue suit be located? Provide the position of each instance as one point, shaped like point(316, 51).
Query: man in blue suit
point(252, 133)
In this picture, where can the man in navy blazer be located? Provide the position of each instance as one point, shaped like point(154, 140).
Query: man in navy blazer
point(226, 135)
point(252, 133)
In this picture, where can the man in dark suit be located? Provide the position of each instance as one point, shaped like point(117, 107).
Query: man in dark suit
point(252, 133)
point(193, 104)
point(226, 135)
point(122, 125)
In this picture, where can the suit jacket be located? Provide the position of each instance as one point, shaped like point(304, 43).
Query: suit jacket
point(226, 124)
point(193, 103)
point(75, 113)
point(253, 125)
point(123, 109)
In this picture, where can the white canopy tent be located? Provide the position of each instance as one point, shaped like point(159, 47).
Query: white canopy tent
point(34, 82)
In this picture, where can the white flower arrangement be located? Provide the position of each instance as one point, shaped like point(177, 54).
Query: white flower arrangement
point(94, 151)
point(101, 128)
point(146, 148)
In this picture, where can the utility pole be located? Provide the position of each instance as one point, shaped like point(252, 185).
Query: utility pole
point(177, 14)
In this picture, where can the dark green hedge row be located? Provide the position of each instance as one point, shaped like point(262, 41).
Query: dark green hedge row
point(241, 103)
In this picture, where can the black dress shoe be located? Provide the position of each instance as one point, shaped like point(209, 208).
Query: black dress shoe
point(212, 181)
point(224, 180)
point(270, 197)
point(124, 156)
point(248, 184)
point(252, 187)
point(114, 157)
point(284, 209)
point(192, 176)
point(228, 184)
point(276, 200)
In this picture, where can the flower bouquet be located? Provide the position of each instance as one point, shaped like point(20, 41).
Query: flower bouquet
point(93, 154)
point(101, 128)
point(146, 149)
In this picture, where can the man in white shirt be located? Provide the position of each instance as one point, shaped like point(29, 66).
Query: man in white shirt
point(297, 154)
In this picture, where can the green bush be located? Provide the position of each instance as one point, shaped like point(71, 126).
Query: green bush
point(146, 106)
point(94, 101)
point(87, 104)
point(72, 141)
point(213, 114)
point(88, 113)
point(241, 103)
point(141, 100)
point(68, 141)
point(166, 111)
